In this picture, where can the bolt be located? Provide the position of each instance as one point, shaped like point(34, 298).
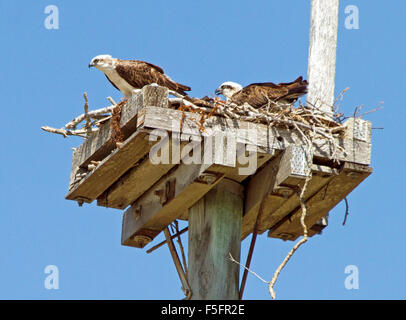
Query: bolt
point(141, 241)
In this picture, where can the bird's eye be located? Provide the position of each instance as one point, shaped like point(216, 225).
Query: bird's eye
point(96, 60)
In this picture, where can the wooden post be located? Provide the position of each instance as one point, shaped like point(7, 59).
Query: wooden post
point(214, 233)
point(322, 54)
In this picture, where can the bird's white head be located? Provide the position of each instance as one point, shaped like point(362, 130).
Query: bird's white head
point(227, 89)
point(103, 62)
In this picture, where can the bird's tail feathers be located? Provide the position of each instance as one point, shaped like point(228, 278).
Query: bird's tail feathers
point(182, 88)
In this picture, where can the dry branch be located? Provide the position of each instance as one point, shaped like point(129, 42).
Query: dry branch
point(98, 116)
point(92, 114)
point(182, 276)
point(246, 268)
point(164, 242)
point(305, 236)
point(62, 131)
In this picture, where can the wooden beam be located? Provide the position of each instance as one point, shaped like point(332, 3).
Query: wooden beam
point(166, 201)
point(99, 145)
point(319, 205)
point(214, 233)
point(255, 193)
point(136, 181)
point(322, 53)
point(280, 207)
point(283, 199)
point(265, 138)
point(111, 168)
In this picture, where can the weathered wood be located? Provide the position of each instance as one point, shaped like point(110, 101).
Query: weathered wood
point(263, 137)
point(178, 265)
point(111, 168)
point(278, 208)
point(235, 174)
point(136, 181)
point(255, 191)
point(285, 179)
point(214, 233)
point(266, 140)
point(350, 176)
point(166, 201)
point(140, 178)
point(322, 53)
point(358, 140)
point(133, 184)
point(99, 144)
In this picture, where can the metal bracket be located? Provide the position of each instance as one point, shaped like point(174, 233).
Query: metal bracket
point(300, 163)
point(361, 130)
point(137, 212)
point(207, 178)
point(168, 192)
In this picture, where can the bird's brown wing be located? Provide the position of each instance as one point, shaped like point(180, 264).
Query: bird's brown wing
point(139, 73)
point(296, 89)
point(259, 94)
point(203, 102)
point(159, 69)
point(298, 80)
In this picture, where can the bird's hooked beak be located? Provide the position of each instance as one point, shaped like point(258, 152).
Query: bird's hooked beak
point(91, 64)
point(218, 91)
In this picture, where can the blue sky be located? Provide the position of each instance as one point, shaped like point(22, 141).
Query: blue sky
point(44, 73)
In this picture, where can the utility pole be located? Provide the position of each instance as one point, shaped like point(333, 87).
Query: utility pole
point(322, 54)
point(214, 234)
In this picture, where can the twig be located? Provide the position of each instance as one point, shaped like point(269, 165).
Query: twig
point(336, 106)
point(253, 240)
point(254, 273)
point(164, 242)
point(182, 251)
point(112, 101)
point(95, 113)
point(88, 124)
point(179, 269)
point(62, 131)
point(371, 111)
point(301, 241)
point(347, 208)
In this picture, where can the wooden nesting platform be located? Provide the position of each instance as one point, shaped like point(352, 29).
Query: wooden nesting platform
point(154, 194)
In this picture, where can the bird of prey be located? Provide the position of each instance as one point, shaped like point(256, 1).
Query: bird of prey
point(261, 94)
point(127, 75)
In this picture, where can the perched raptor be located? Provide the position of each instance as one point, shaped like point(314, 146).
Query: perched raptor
point(261, 94)
point(127, 75)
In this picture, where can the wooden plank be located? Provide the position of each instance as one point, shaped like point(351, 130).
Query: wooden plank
point(140, 178)
point(322, 53)
point(133, 184)
point(152, 212)
point(137, 180)
point(111, 168)
point(284, 173)
point(358, 143)
point(99, 144)
point(293, 167)
point(255, 192)
point(323, 201)
point(266, 138)
point(214, 233)
point(235, 174)
point(279, 209)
